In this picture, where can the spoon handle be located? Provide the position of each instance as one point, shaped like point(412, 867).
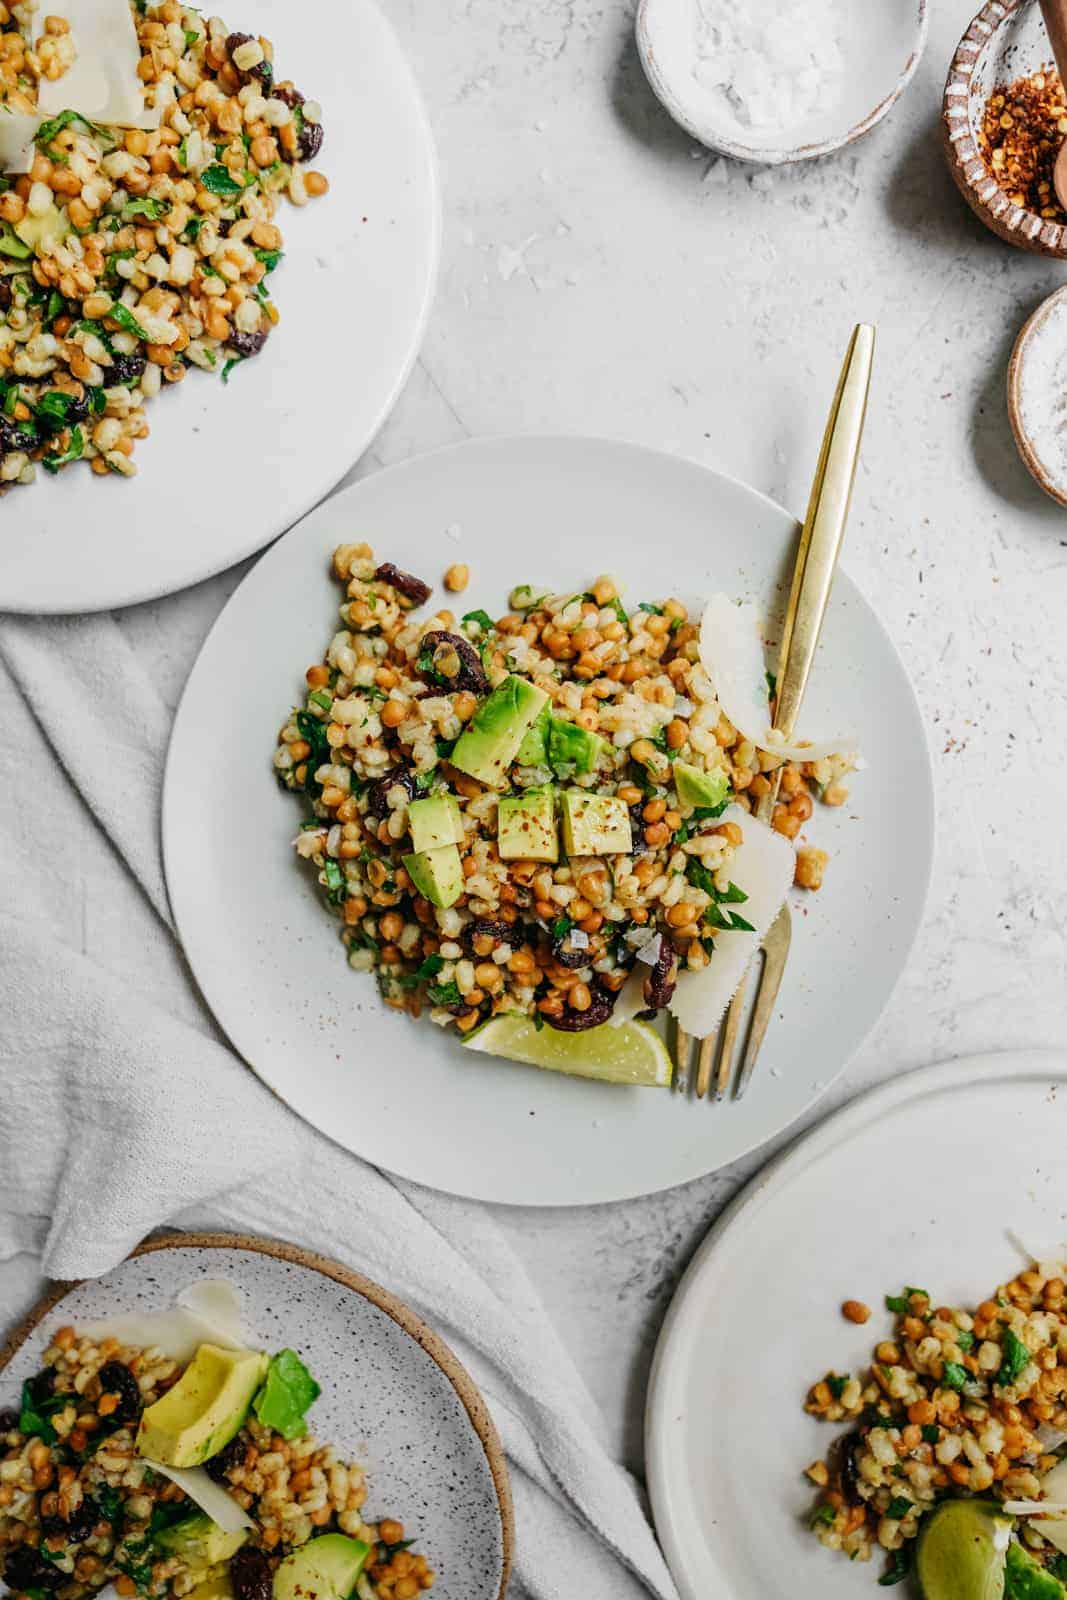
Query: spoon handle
point(1055, 15)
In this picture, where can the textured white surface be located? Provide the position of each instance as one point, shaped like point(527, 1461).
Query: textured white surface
point(602, 276)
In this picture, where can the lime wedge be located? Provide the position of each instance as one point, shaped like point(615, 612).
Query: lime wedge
point(632, 1053)
point(963, 1548)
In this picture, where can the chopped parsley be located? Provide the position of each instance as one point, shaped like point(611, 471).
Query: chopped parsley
point(482, 618)
point(48, 131)
point(954, 1376)
point(74, 452)
point(445, 994)
point(269, 258)
point(152, 209)
point(901, 1303)
point(217, 180)
point(127, 321)
point(336, 887)
point(898, 1568)
point(34, 1413)
point(646, 605)
point(964, 1339)
point(234, 361)
point(836, 1384)
point(898, 1508)
point(931, 1432)
point(1016, 1357)
point(823, 1516)
point(314, 733)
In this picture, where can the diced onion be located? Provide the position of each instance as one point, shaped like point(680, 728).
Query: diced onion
point(210, 1496)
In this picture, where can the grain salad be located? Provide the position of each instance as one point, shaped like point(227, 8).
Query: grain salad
point(129, 256)
point(957, 1403)
point(516, 813)
point(81, 1507)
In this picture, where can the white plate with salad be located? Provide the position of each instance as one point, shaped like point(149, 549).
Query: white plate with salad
point(269, 960)
point(181, 256)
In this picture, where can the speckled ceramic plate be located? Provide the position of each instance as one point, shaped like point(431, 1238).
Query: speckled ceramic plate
point(267, 956)
point(944, 1177)
point(229, 467)
point(394, 1397)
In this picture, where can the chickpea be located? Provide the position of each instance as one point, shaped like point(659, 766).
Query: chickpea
point(317, 677)
point(654, 810)
point(801, 806)
point(316, 183)
point(731, 832)
point(782, 822)
point(393, 713)
point(457, 577)
point(580, 997)
point(656, 834)
point(856, 1311)
point(677, 734)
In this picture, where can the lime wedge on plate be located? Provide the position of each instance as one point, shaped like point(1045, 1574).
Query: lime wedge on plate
point(632, 1053)
point(963, 1548)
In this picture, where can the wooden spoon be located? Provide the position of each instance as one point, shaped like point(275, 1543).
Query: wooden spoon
point(1055, 15)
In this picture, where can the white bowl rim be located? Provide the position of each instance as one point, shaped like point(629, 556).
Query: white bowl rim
point(775, 155)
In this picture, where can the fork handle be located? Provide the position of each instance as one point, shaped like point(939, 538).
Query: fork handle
point(824, 527)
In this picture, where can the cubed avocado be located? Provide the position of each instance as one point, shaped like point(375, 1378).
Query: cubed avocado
point(200, 1542)
point(533, 751)
point(487, 748)
point(526, 826)
point(326, 1568)
point(437, 874)
point(205, 1408)
point(1027, 1579)
point(696, 788)
point(595, 825)
point(435, 822)
point(216, 1586)
point(572, 748)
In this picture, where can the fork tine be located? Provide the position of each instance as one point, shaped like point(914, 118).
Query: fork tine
point(707, 1052)
point(775, 955)
point(729, 1038)
point(682, 1043)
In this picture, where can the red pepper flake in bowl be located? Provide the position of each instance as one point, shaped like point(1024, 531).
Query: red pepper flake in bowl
point(1023, 127)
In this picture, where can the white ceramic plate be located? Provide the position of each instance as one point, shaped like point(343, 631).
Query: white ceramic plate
point(922, 1181)
point(394, 1397)
point(881, 46)
point(228, 467)
point(267, 955)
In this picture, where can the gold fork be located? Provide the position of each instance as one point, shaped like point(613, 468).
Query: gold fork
point(816, 561)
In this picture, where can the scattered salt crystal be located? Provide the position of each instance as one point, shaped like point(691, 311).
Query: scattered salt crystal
point(578, 939)
point(650, 952)
point(454, 531)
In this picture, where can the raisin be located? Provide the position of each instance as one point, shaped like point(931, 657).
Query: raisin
point(291, 97)
point(412, 589)
point(25, 1568)
point(568, 954)
point(847, 1468)
point(263, 74)
point(377, 794)
point(571, 1021)
point(116, 1378)
point(75, 1528)
point(9, 1421)
point(250, 1574)
point(5, 295)
point(309, 140)
point(231, 1455)
point(663, 978)
point(124, 369)
point(453, 663)
point(246, 344)
point(14, 437)
point(43, 1386)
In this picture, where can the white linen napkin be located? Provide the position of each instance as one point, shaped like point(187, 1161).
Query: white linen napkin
point(122, 1108)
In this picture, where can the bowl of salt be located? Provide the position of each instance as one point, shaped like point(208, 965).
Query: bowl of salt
point(1037, 395)
point(773, 81)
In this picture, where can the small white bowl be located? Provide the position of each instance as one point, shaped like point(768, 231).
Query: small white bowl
point(882, 43)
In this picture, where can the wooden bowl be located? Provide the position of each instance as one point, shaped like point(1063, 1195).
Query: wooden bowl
point(1006, 41)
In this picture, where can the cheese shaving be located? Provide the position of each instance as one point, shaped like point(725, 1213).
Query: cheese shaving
point(731, 652)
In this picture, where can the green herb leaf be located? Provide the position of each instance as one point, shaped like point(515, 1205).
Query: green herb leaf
point(823, 1516)
point(127, 321)
point(1016, 1357)
point(11, 245)
point(269, 258)
point(444, 994)
point(234, 361)
point(898, 1568)
point(74, 452)
point(191, 37)
point(931, 1432)
point(34, 1414)
point(217, 180)
point(645, 605)
point(110, 1502)
point(836, 1385)
point(561, 927)
point(48, 130)
point(482, 618)
point(1058, 1568)
point(286, 1395)
point(336, 886)
point(898, 1508)
point(620, 611)
point(152, 209)
point(429, 968)
point(322, 698)
point(954, 1376)
point(192, 228)
point(964, 1339)
point(314, 732)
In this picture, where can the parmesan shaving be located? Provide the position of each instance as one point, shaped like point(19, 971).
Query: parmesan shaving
point(763, 867)
point(731, 652)
point(103, 82)
point(209, 1495)
point(205, 1313)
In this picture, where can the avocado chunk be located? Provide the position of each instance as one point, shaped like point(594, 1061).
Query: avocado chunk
point(205, 1408)
point(437, 874)
point(572, 748)
point(526, 826)
point(533, 751)
point(435, 822)
point(963, 1551)
point(696, 788)
point(323, 1569)
point(595, 825)
point(200, 1542)
point(1027, 1579)
point(216, 1586)
point(487, 748)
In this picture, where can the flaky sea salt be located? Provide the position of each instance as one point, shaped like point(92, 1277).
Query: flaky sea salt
point(769, 63)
